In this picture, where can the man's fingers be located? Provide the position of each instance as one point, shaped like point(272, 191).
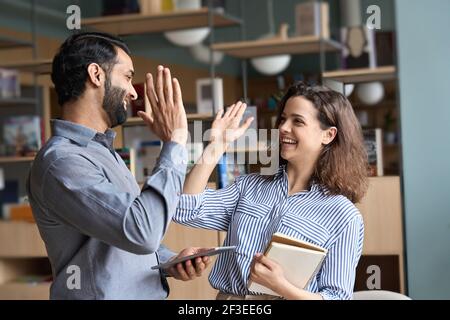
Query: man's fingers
point(190, 270)
point(151, 94)
point(199, 266)
point(160, 87)
point(168, 91)
point(181, 272)
point(146, 117)
point(177, 96)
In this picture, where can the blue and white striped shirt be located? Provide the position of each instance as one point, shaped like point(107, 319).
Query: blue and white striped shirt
point(254, 207)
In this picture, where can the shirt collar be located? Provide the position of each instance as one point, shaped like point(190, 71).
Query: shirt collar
point(80, 134)
point(282, 174)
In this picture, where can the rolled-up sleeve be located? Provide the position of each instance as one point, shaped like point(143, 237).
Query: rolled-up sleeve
point(79, 193)
point(211, 209)
point(337, 276)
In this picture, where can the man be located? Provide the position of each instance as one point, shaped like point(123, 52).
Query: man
point(102, 233)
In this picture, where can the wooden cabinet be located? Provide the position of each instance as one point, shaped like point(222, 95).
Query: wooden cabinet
point(381, 209)
point(22, 253)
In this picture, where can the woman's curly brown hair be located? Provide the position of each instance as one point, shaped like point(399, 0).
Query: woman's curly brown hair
point(342, 165)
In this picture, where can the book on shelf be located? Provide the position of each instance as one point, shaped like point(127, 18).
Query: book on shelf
point(117, 7)
point(299, 259)
point(194, 151)
point(147, 148)
point(312, 19)
point(18, 212)
point(2, 179)
point(228, 170)
point(22, 135)
point(9, 83)
point(9, 194)
point(373, 141)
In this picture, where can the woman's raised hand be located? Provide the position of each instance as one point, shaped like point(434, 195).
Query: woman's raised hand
point(225, 129)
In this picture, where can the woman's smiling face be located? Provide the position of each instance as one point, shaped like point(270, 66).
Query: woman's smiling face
point(301, 135)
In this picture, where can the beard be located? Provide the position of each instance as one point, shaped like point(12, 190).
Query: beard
point(113, 104)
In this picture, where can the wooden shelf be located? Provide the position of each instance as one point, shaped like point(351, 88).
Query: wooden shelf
point(139, 24)
point(15, 159)
point(11, 43)
point(25, 291)
point(136, 121)
point(20, 240)
point(362, 75)
point(41, 66)
point(8, 102)
point(269, 47)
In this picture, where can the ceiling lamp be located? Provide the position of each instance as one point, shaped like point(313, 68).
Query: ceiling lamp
point(187, 37)
point(202, 54)
point(370, 93)
point(272, 65)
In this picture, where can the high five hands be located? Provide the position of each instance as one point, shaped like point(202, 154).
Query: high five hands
point(167, 116)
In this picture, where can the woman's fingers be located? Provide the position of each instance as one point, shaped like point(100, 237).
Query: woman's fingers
point(241, 111)
point(236, 109)
point(219, 114)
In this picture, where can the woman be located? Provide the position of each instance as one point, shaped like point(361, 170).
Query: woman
point(323, 172)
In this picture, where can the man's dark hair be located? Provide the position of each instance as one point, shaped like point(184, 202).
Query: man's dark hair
point(69, 70)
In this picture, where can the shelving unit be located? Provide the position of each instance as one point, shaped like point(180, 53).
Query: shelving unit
point(259, 48)
point(20, 240)
point(362, 75)
point(23, 254)
point(38, 66)
point(12, 43)
point(15, 159)
point(24, 291)
point(140, 24)
point(9, 102)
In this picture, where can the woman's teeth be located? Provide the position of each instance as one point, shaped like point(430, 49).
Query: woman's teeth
point(288, 141)
point(125, 105)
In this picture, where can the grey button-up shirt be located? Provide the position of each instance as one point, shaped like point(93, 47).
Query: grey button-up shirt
point(102, 233)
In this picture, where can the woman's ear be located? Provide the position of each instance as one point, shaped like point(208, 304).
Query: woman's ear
point(95, 74)
point(329, 135)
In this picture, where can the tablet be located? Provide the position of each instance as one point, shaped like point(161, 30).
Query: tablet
point(210, 252)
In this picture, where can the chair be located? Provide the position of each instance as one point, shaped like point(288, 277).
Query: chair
point(379, 295)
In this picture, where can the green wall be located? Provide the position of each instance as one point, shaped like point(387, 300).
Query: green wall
point(424, 78)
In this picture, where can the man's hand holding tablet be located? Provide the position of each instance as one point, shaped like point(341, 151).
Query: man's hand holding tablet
point(190, 262)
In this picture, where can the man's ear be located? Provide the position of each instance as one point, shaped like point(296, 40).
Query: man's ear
point(329, 135)
point(95, 74)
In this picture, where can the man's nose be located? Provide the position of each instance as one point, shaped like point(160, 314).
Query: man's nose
point(133, 93)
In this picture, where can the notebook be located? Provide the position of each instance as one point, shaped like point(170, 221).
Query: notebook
point(300, 261)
